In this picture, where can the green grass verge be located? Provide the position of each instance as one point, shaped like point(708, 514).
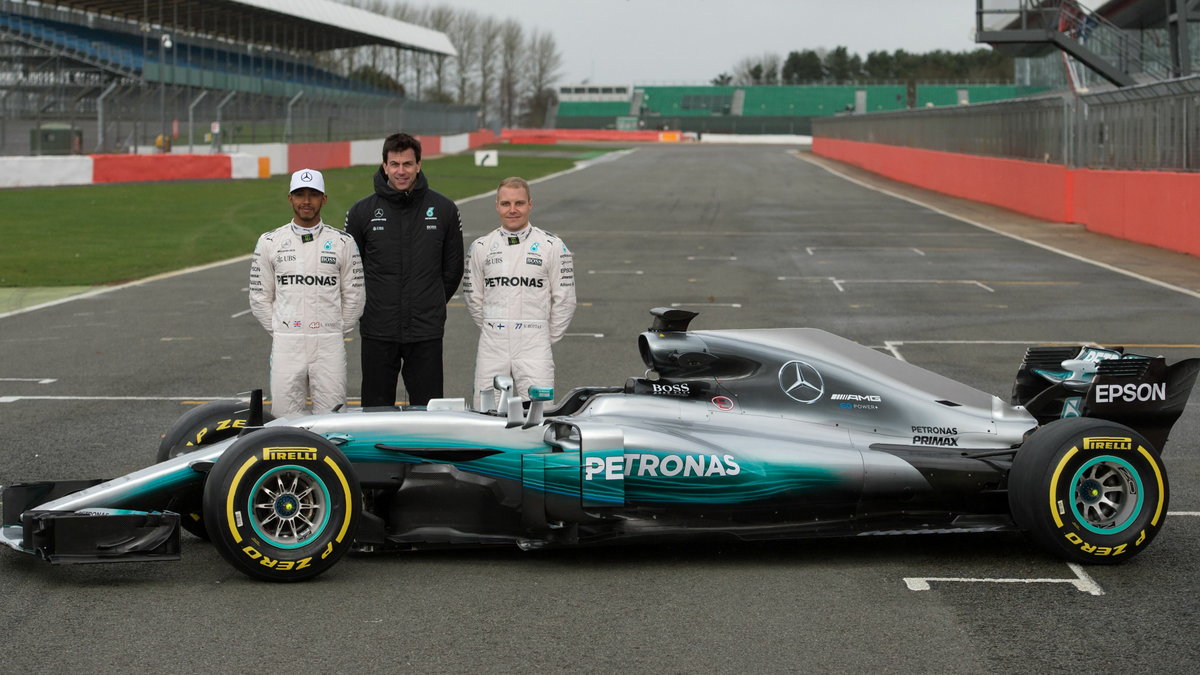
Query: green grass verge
point(108, 234)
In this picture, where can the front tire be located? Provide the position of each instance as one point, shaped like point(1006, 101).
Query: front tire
point(1088, 490)
point(203, 425)
point(281, 504)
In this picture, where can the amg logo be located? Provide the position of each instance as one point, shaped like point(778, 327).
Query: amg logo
point(492, 282)
point(1131, 393)
point(305, 279)
point(300, 454)
point(856, 397)
point(681, 389)
point(1107, 443)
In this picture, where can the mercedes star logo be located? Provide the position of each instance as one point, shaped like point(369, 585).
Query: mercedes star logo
point(801, 382)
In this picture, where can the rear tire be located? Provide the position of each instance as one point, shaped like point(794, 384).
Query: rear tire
point(281, 504)
point(203, 425)
point(1089, 490)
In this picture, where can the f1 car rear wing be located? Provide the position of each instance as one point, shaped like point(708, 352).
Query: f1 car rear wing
point(1141, 392)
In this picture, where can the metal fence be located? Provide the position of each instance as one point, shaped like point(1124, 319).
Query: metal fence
point(1149, 127)
point(132, 117)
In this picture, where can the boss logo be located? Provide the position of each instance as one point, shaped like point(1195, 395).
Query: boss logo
point(680, 389)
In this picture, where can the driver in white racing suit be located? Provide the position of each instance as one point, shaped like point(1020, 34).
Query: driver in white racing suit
point(519, 288)
point(306, 289)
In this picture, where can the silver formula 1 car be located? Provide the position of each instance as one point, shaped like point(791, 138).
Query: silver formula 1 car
point(753, 434)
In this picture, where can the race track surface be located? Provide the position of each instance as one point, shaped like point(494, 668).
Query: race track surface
point(748, 236)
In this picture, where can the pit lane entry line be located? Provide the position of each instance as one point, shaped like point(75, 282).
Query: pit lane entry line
point(1082, 581)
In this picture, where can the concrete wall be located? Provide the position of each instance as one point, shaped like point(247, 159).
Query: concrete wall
point(35, 171)
point(1149, 207)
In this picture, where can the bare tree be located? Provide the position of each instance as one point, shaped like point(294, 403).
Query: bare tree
point(402, 59)
point(506, 71)
point(462, 35)
point(545, 63)
point(765, 69)
point(747, 71)
point(512, 45)
point(772, 64)
point(440, 18)
point(488, 37)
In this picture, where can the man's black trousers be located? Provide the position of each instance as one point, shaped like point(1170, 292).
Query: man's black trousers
point(419, 363)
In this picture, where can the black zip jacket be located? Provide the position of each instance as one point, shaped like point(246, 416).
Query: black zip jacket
point(412, 253)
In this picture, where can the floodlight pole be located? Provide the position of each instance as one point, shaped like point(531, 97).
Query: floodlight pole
point(164, 43)
point(191, 117)
point(100, 116)
point(287, 127)
point(217, 136)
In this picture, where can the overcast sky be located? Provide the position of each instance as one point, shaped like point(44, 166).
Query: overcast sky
point(693, 41)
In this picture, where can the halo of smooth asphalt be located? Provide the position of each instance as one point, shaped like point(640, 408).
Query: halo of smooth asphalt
point(750, 237)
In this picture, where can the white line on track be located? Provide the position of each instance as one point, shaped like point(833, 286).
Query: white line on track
point(39, 380)
point(139, 282)
point(811, 250)
point(840, 284)
point(735, 305)
point(633, 272)
point(579, 166)
point(961, 282)
point(586, 335)
point(1031, 242)
point(14, 399)
point(712, 257)
point(1082, 581)
point(789, 234)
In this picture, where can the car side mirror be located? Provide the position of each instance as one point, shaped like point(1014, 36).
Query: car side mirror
point(538, 396)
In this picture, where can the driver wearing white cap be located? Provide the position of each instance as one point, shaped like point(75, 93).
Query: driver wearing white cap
point(306, 289)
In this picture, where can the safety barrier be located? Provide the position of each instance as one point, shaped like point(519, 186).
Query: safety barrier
point(318, 156)
point(250, 161)
point(1149, 207)
point(128, 168)
point(587, 135)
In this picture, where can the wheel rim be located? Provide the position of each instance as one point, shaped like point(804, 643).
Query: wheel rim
point(289, 506)
point(1108, 495)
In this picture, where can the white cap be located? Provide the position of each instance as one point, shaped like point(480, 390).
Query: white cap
point(308, 178)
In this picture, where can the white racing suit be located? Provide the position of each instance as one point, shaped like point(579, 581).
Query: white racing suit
point(306, 289)
point(520, 290)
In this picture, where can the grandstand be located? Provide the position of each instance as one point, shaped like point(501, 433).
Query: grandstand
point(782, 109)
point(119, 75)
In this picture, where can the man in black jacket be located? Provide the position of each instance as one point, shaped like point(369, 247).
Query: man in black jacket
point(410, 239)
